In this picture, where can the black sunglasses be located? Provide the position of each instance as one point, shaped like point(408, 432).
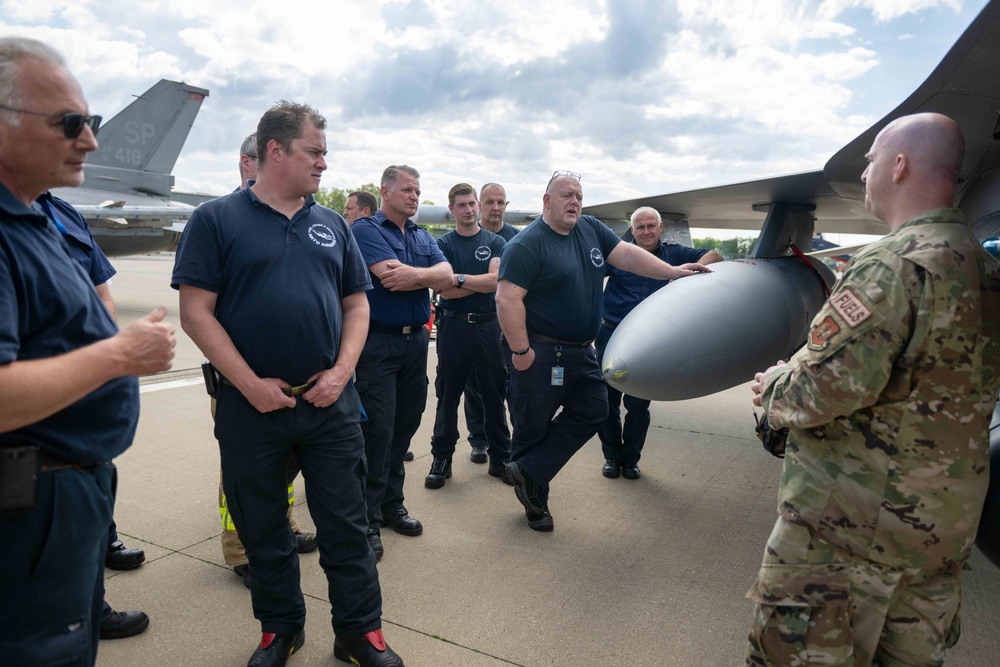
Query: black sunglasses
point(72, 123)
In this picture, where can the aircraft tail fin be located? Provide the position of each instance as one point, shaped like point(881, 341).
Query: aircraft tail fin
point(140, 145)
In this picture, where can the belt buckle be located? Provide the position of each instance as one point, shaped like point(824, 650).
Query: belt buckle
point(408, 329)
point(471, 318)
point(292, 392)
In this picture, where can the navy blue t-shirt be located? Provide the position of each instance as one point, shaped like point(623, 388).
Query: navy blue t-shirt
point(79, 239)
point(279, 282)
point(563, 276)
point(471, 255)
point(48, 307)
point(380, 239)
point(508, 232)
point(625, 290)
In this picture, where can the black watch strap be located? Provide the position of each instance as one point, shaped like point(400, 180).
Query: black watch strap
point(522, 352)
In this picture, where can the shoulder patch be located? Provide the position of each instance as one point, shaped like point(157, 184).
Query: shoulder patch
point(822, 332)
point(850, 307)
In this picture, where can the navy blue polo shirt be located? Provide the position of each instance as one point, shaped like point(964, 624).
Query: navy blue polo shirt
point(79, 240)
point(48, 307)
point(563, 276)
point(471, 255)
point(279, 282)
point(625, 290)
point(380, 239)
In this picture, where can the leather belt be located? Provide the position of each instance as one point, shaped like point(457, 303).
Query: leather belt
point(299, 390)
point(610, 325)
point(407, 330)
point(287, 391)
point(556, 341)
point(471, 318)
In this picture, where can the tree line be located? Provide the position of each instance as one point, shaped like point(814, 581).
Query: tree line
point(335, 198)
point(736, 248)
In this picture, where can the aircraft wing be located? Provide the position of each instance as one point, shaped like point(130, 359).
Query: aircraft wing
point(964, 86)
point(744, 205)
point(757, 310)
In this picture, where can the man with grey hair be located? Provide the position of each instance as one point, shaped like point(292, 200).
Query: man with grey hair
point(359, 204)
point(405, 262)
point(549, 305)
point(69, 401)
point(286, 382)
point(624, 291)
point(248, 159)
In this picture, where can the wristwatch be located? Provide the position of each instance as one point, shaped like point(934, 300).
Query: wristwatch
point(460, 279)
point(522, 352)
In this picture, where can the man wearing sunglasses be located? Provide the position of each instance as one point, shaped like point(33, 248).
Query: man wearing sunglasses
point(69, 401)
point(549, 301)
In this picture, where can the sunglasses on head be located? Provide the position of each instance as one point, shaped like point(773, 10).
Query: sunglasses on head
point(72, 123)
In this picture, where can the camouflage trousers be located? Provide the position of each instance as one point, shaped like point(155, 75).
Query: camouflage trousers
point(819, 605)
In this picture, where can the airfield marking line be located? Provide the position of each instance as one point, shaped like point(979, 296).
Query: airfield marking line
point(173, 384)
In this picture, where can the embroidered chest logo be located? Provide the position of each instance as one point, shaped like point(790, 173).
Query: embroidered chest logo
point(596, 258)
point(848, 305)
point(483, 253)
point(821, 334)
point(322, 235)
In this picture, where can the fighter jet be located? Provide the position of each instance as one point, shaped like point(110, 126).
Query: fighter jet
point(754, 311)
point(126, 195)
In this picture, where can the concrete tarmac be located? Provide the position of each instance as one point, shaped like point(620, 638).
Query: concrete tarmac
point(640, 573)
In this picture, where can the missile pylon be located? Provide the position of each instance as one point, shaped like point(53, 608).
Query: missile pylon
point(711, 331)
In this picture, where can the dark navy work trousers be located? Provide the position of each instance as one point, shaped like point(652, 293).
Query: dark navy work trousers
point(461, 349)
point(328, 445)
point(52, 570)
point(620, 443)
point(543, 441)
point(475, 420)
point(392, 381)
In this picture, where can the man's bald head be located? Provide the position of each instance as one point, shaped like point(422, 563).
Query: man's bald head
point(933, 142)
point(913, 166)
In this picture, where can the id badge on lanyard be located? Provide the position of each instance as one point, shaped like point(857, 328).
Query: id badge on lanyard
point(557, 370)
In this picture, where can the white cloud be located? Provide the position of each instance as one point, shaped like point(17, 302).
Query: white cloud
point(642, 96)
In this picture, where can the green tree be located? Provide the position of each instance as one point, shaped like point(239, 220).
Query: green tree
point(335, 198)
point(736, 248)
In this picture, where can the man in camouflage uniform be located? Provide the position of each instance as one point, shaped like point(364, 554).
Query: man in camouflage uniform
point(888, 407)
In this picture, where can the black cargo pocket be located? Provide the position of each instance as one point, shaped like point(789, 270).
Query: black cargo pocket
point(62, 643)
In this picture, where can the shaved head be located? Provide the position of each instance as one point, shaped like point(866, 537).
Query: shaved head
point(913, 166)
point(933, 143)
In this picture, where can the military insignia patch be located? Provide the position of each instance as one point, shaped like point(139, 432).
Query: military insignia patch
point(849, 306)
point(820, 335)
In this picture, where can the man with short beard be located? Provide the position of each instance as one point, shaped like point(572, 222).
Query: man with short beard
point(255, 269)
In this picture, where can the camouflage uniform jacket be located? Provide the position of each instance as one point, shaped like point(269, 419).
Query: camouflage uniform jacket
point(889, 403)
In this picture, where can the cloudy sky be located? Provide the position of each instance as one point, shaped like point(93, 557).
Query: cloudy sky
point(640, 96)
